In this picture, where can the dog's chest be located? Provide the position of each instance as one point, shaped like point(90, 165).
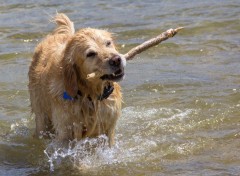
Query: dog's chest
point(95, 117)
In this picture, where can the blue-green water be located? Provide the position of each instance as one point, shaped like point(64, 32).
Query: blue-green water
point(181, 113)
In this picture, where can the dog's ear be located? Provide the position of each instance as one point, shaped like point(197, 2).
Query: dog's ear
point(70, 79)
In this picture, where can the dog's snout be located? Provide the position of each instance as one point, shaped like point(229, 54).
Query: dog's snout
point(115, 61)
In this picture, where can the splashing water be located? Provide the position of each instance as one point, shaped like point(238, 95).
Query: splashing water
point(82, 154)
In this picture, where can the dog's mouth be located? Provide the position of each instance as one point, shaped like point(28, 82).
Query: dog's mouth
point(116, 76)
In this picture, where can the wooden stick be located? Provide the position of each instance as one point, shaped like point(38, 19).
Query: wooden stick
point(144, 46)
point(93, 75)
point(152, 42)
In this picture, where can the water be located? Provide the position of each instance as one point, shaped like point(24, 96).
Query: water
point(181, 99)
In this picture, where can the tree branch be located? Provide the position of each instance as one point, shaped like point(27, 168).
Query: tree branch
point(150, 43)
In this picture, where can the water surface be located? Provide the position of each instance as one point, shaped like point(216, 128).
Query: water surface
point(181, 99)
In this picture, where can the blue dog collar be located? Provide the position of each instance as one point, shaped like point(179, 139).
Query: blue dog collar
point(106, 93)
point(66, 96)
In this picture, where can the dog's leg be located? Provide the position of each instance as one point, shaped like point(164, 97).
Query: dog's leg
point(111, 135)
point(78, 131)
point(62, 124)
point(40, 124)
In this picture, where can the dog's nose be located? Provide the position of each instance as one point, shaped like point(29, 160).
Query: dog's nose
point(115, 61)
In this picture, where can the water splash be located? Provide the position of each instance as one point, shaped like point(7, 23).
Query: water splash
point(84, 154)
point(20, 128)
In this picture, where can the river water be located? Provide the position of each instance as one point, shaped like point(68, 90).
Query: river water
point(181, 112)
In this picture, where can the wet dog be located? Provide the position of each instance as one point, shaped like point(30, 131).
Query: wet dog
point(63, 100)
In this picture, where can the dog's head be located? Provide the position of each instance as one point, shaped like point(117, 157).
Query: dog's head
point(91, 50)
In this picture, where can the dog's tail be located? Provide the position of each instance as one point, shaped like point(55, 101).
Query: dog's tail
point(64, 25)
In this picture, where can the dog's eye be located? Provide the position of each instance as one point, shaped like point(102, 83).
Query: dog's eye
point(108, 43)
point(91, 54)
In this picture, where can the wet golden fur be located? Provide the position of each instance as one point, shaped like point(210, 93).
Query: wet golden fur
point(59, 64)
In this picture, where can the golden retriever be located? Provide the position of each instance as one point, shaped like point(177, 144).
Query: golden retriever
point(63, 100)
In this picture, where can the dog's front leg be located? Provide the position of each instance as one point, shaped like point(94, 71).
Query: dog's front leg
point(78, 130)
point(62, 123)
point(40, 124)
